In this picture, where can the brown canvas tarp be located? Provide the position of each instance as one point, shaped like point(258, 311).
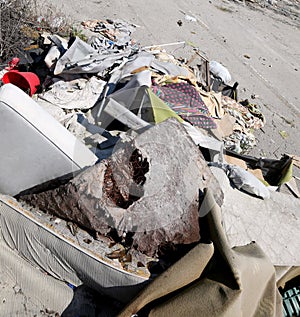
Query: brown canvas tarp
point(213, 280)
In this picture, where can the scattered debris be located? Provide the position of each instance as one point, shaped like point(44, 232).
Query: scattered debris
point(189, 18)
point(296, 160)
point(156, 124)
point(283, 134)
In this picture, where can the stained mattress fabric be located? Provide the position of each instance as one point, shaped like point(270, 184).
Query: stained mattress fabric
point(60, 257)
point(26, 290)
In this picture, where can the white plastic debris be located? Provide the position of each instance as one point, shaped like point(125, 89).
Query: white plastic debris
point(220, 71)
point(190, 18)
point(244, 180)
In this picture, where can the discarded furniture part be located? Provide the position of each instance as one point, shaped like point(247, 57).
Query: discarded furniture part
point(273, 223)
point(239, 281)
point(204, 69)
point(74, 259)
point(34, 147)
point(147, 190)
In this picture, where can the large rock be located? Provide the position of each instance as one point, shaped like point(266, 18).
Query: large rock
point(146, 193)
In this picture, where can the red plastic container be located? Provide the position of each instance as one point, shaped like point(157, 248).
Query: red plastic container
point(27, 81)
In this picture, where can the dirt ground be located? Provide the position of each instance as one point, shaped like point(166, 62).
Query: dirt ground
point(258, 41)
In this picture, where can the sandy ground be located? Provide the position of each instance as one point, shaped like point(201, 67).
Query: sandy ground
point(266, 32)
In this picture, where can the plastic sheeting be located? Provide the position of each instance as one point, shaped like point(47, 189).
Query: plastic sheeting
point(81, 58)
point(244, 180)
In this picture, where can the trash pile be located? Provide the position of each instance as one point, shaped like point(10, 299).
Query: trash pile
point(144, 136)
point(79, 74)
